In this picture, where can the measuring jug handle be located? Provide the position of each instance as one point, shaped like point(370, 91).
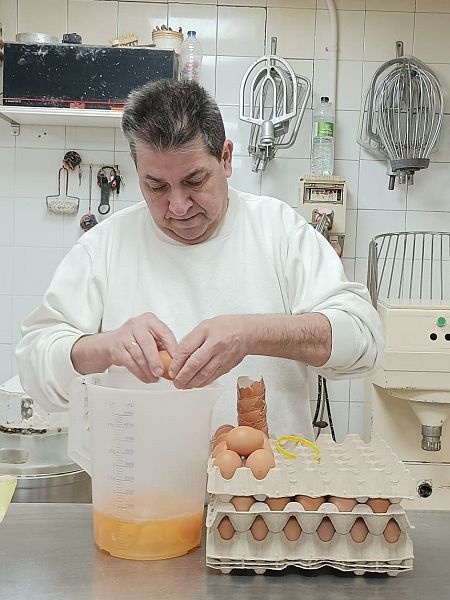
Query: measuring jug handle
point(79, 448)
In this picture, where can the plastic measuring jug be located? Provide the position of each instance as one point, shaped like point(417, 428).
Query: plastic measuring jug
point(146, 447)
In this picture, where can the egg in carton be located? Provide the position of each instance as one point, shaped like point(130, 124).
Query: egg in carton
point(308, 521)
point(276, 547)
point(294, 520)
point(352, 469)
point(275, 551)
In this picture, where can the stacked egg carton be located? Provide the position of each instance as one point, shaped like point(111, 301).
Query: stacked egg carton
point(258, 537)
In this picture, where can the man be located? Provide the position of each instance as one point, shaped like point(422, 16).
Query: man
point(228, 283)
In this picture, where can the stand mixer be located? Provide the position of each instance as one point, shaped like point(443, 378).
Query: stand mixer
point(409, 282)
point(33, 449)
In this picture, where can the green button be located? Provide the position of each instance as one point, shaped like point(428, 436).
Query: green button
point(441, 321)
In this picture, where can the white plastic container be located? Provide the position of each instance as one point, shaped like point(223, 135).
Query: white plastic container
point(168, 40)
point(146, 448)
point(322, 159)
point(191, 58)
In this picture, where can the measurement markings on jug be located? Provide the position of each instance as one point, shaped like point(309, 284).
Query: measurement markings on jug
point(123, 463)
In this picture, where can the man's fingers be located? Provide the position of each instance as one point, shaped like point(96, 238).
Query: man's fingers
point(124, 359)
point(164, 337)
point(168, 341)
point(135, 352)
point(135, 346)
point(209, 373)
point(149, 351)
point(194, 365)
point(186, 349)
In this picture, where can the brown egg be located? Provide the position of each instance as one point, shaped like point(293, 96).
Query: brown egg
point(325, 531)
point(228, 461)
point(392, 531)
point(359, 531)
point(259, 529)
point(242, 503)
point(245, 440)
point(343, 504)
point(223, 429)
point(378, 505)
point(226, 529)
point(266, 444)
point(260, 462)
point(277, 503)
point(292, 529)
point(221, 446)
point(309, 503)
point(219, 439)
point(166, 360)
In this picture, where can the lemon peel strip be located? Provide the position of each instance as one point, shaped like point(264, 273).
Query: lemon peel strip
point(298, 440)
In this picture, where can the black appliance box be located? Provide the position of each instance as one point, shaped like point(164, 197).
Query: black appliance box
point(80, 76)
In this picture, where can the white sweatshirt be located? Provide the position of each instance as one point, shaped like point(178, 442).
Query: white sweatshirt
point(264, 259)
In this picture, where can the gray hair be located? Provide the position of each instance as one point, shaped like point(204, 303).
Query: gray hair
point(168, 115)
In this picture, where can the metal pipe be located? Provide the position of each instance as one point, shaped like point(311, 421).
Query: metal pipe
point(332, 49)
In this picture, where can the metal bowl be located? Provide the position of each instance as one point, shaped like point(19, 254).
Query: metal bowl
point(37, 38)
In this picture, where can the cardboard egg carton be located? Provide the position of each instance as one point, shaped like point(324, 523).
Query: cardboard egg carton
point(308, 520)
point(242, 551)
point(351, 469)
point(358, 568)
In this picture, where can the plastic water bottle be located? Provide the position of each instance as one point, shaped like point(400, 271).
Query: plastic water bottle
point(191, 58)
point(322, 160)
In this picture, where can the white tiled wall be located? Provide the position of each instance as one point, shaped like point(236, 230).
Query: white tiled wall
point(233, 33)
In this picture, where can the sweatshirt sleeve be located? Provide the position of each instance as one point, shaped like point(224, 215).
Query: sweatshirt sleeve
point(316, 283)
point(71, 307)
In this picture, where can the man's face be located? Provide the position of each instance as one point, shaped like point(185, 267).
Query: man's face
point(185, 190)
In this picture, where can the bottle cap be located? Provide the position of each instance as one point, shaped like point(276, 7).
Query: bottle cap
point(191, 33)
point(324, 99)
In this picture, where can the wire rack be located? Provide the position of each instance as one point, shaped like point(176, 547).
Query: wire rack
point(409, 266)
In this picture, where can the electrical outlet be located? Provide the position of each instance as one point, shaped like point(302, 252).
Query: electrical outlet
point(318, 195)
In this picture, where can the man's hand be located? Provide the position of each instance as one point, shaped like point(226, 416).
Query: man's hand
point(210, 350)
point(134, 345)
point(217, 345)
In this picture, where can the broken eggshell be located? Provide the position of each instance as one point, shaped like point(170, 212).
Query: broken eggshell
point(166, 360)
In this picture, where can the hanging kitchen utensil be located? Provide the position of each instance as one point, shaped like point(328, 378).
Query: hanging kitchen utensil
point(107, 184)
point(401, 119)
point(62, 203)
point(272, 97)
point(72, 161)
point(89, 220)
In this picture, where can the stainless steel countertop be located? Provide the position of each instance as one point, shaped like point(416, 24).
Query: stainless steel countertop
point(47, 551)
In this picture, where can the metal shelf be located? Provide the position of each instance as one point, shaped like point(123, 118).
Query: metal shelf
point(25, 115)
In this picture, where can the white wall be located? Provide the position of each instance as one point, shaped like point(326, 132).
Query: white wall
point(233, 33)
